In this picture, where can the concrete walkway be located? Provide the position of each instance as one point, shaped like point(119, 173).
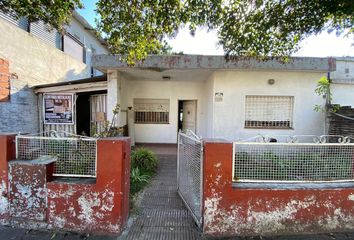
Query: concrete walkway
point(162, 214)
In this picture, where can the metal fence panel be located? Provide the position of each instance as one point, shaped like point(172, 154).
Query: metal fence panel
point(293, 162)
point(76, 156)
point(190, 155)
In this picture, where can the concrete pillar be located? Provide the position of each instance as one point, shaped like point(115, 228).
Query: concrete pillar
point(131, 126)
point(113, 94)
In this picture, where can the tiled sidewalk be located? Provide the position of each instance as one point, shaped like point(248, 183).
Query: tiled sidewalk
point(162, 214)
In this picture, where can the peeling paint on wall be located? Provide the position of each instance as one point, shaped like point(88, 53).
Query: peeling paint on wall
point(3, 199)
point(33, 200)
point(232, 211)
point(351, 197)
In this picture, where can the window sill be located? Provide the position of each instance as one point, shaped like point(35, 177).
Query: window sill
point(276, 128)
point(152, 123)
point(279, 185)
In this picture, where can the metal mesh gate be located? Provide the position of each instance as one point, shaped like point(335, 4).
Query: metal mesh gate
point(189, 173)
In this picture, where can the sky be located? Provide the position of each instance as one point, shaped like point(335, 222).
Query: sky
point(205, 43)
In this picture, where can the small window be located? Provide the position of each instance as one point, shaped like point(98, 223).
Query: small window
point(152, 111)
point(74, 47)
point(346, 70)
point(269, 112)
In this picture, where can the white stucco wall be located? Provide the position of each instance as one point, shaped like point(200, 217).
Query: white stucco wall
point(343, 94)
point(341, 65)
point(174, 91)
point(342, 86)
point(90, 41)
point(208, 107)
point(229, 115)
point(226, 119)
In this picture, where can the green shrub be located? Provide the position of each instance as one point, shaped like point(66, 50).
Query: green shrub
point(138, 180)
point(145, 160)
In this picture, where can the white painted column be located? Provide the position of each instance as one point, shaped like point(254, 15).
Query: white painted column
point(113, 94)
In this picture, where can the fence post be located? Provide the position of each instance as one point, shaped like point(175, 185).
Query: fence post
point(7, 153)
point(113, 172)
point(217, 180)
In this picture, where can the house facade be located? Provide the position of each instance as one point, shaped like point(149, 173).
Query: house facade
point(342, 82)
point(32, 54)
point(213, 97)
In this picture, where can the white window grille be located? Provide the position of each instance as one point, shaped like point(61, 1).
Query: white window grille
point(323, 160)
point(152, 111)
point(269, 112)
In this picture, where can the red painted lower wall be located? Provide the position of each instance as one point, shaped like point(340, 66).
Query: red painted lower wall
point(97, 206)
point(231, 211)
point(100, 207)
point(7, 152)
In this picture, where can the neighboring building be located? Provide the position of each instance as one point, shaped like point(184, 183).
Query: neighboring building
point(32, 54)
point(234, 99)
point(342, 82)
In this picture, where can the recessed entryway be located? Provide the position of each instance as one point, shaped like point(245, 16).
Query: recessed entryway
point(187, 115)
point(91, 110)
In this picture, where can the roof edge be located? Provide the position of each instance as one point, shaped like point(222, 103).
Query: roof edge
point(100, 78)
point(104, 62)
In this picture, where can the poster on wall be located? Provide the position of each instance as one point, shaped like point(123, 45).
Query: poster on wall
point(58, 108)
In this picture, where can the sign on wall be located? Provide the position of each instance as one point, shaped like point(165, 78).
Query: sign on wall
point(219, 97)
point(58, 108)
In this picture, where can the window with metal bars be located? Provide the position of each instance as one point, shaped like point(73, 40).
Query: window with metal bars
point(269, 112)
point(151, 111)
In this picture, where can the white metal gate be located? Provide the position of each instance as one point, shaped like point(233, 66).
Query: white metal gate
point(190, 173)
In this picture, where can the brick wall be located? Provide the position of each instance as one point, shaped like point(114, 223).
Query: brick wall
point(4, 80)
point(18, 103)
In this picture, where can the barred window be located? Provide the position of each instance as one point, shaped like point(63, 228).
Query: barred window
point(152, 111)
point(269, 112)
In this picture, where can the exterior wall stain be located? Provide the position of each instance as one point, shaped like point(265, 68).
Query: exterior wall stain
point(27, 190)
point(3, 199)
point(351, 197)
point(87, 208)
point(230, 211)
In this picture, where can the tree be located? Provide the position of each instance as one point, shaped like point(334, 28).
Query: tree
point(245, 27)
point(56, 13)
point(136, 28)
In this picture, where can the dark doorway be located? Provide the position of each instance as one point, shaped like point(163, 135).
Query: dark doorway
point(83, 112)
point(187, 115)
point(180, 116)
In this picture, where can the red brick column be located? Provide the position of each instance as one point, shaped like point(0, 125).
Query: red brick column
point(4, 81)
point(217, 183)
point(96, 207)
point(7, 152)
point(113, 172)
